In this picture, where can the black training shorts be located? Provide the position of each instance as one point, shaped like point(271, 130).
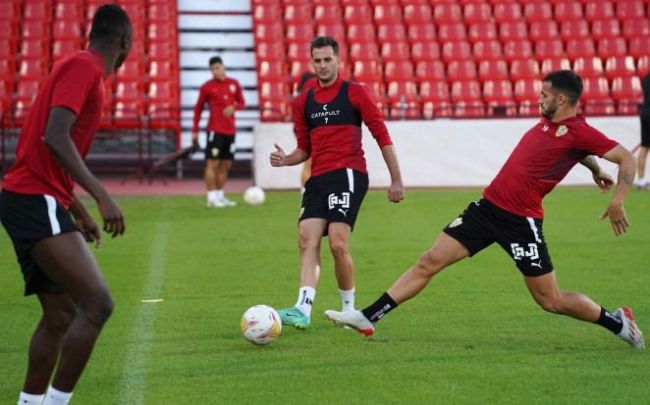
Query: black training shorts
point(29, 219)
point(220, 146)
point(483, 223)
point(335, 196)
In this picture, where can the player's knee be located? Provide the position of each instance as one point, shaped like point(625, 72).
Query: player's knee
point(58, 323)
point(430, 263)
point(339, 248)
point(549, 304)
point(306, 243)
point(99, 309)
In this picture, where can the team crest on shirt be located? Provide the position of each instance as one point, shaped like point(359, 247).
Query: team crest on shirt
point(232, 88)
point(561, 130)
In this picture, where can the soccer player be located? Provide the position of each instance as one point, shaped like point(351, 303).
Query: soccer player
point(510, 213)
point(223, 95)
point(327, 124)
point(37, 201)
point(644, 114)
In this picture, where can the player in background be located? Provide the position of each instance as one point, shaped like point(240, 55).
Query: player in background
point(224, 96)
point(327, 124)
point(37, 201)
point(644, 114)
point(510, 213)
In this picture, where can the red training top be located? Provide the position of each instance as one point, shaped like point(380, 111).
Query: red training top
point(219, 95)
point(544, 155)
point(76, 83)
point(328, 125)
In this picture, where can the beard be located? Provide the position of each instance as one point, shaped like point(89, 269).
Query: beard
point(549, 111)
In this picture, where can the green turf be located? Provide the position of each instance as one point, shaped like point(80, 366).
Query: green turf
point(473, 336)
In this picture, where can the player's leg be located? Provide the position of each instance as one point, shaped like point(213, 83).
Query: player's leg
point(67, 260)
point(210, 176)
point(339, 241)
point(58, 312)
point(223, 168)
point(641, 181)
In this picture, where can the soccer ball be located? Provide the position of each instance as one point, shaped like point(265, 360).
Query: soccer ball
point(261, 324)
point(254, 195)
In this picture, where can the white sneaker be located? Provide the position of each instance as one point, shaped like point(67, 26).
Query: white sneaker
point(228, 203)
point(630, 332)
point(216, 203)
point(641, 184)
point(353, 319)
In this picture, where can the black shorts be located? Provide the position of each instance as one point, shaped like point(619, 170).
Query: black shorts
point(220, 146)
point(335, 196)
point(483, 223)
point(29, 219)
point(645, 130)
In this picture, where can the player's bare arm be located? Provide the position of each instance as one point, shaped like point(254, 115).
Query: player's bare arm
point(85, 222)
point(279, 158)
point(603, 180)
point(626, 170)
point(57, 138)
point(396, 189)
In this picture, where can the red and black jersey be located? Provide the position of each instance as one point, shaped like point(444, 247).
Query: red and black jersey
point(76, 83)
point(219, 95)
point(543, 157)
point(327, 123)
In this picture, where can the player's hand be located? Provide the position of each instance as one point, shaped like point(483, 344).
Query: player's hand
point(617, 218)
point(603, 180)
point(278, 158)
point(112, 216)
point(89, 229)
point(396, 192)
point(228, 111)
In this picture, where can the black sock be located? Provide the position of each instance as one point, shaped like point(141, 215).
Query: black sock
point(375, 311)
point(609, 321)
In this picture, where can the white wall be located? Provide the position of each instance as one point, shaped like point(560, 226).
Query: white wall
point(440, 153)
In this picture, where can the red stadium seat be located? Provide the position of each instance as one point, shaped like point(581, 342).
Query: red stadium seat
point(627, 93)
point(452, 32)
point(367, 71)
point(273, 91)
point(35, 49)
point(391, 33)
point(336, 31)
point(270, 32)
point(35, 30)
point(7, 69)
point(434, 96)
point(619, 66)
point(551, 48)
point(589, 67)
point(447, 13)
point(574, 30)
point(67, 29)
point(297, 69)
point(482, 31)
point(27, 90)
point(461, 70)
point(129, 113)
point(299, 31)
point(364, 32)
point(128, 90)
point(7, 50)
point(595, 89)
point(493, 70)
point(639, 47)
point(568, 11)
point(272, 71)
point(362, 51)
point(274, 111)
point(421, 32)
point(395, 51)
point(553, 64)
point(160, 12)
point(526, 94)
point(163, 114)
point(637, 29)
point(488, 50)
point(295, 51)
point(580, 48)
point(507, 12)
point(466, 99)
point(297, 14)
point(477, 12)
point(403, 100)
point(513, 31)
point(630, 9)
point(328, 14)
point(398, 71)
point(643, 65)
point(611, 47)
point(131, 71)
point(456, 51)
point(264, 51)
point(37, 11)
point(541, 30)
point(68, 11)
point(160, 32)
point(387, 14)
point(601, 29)
point(425, 51)
point(32, 70)
point(417, 14)
point(497, 95)
point(599, 10)
point(161, 70)
point(524, 69)
point(517, 49)
point(357, 15)
point(267, 13)
point(63, 48)
point(538, 11)
point(430, 70)
point(161, 90)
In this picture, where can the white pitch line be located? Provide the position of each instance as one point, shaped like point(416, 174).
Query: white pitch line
point(134, 373)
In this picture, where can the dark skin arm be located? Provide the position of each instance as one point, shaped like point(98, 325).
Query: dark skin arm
point(85, 222)
point(57, 138)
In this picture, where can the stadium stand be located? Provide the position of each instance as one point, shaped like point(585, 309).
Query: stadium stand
point(481, 53)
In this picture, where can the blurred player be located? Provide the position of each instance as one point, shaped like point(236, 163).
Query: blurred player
point(223, 95)
point(327, 123)
point(644, 114)
point(510, 213)
point(37, 201)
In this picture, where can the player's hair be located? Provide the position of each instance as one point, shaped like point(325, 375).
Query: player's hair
point(322, 42)
point(110, 23)
point(215, 59)
point(567, 82)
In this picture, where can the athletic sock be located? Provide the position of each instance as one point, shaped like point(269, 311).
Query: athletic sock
point(212, 195)
point(609, 321)
point(306, 297)
point(219, 194)
point(347, 299)
point(30, 399)
point(375, 311)
point(56, 397)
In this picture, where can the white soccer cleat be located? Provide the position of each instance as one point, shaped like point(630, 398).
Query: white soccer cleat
point(641, 184)
point(228, 203)
point(216, 203)
point(630, 332)
point(353, 319)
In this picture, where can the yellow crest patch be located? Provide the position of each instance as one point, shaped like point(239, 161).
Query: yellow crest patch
point(561, 130)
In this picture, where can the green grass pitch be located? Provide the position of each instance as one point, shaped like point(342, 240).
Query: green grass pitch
point(473, 336)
